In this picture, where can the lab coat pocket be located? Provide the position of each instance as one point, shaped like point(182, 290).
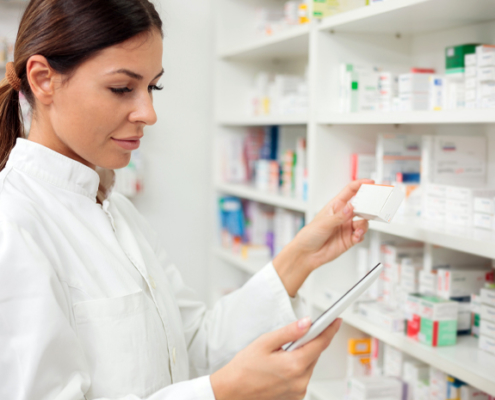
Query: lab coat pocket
point(125, 345)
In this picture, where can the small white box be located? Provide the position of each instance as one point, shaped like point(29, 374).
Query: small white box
point(453, 218)
point(485, 205)
point(471, 393)
point(460, 282)
point(487, 296)
point(487, 313)
point(413, 83)
point(460, 207)
point(471, 84)
point(470, 60)
point(486, 74)
point(434, 190)
point(483, 221)
point(487, 328)
point(487, 344)
point(486, 89)
point(377, 202)
point(470, 95)
point(475, 304)
point(485, 55)
point(471, 72)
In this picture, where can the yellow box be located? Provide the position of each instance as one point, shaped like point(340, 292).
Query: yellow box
point(359, 346)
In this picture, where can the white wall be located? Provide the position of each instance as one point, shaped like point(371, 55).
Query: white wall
point(177, 149)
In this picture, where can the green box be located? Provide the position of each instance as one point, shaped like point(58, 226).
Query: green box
point(326, 8)
point(438, 333)
point(454, 55)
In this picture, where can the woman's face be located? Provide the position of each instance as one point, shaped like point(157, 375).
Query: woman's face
point(98, 115)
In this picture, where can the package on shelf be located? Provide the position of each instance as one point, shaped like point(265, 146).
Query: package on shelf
point(438, 325)
point(413, 198)
point(397, 153)
point(379, 313)
point(428, 283)
point(231, 222)
point(436, 92)
point(376, 362)
point(462, 281)
point(280, 94)
point(371, 388)
point(393, 361)
point(359, 88)
point(286, 225)
point(270, 20)
point(485, 76)
point(414, 372)
point(129, 180)
point(487, 296)
point(438, 384)
point(475, 306)
point(487, 329)
point(363, 166)
point(358, 358)
point(326, 8)
point(454, 160)
point(377, 202)
point(470, 393)
point(454, 386)
point(410, 269)
point(414, 91)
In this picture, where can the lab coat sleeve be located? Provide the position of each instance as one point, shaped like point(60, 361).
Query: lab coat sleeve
point(214, 337)
point(40, 355)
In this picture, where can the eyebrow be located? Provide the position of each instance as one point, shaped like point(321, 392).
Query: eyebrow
point(134, 75)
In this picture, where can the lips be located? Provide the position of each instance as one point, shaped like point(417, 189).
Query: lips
point(128, 143)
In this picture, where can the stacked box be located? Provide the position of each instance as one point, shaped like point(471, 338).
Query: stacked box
point(454, 386)
point(414, 372)
point(475, 314)
point(485, 57)
point(410, 269)
point(483, 211)
point(358, 359)
point(371, 388)
point(428, 283)
point(393, 361)
point(487, 321)
point(471, 81)
point(438, 325)
point(414, 91)
point(377, 350)
point(388, 318)
point(471, 393)
point(461, 282)
point(438, 384)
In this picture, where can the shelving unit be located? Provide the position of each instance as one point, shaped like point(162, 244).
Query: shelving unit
point(396, 34)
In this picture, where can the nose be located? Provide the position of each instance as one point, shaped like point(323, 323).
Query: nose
point(144, 111)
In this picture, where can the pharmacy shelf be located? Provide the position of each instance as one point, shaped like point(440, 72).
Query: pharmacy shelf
point(327, 390)
point(250, 267)
point(463, 361)
point(411, 16)
point(482, 116)
point(291, 43)
point(264, 120)
point(468, 240)
point(250, 193)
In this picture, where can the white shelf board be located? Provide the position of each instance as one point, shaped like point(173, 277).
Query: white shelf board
point(478, 116)
point(468, 240)
point(290, 43)
point(250, 193)
point(411, 16)
point(263, 120)
point(251, 267)
point(327, 390)
point(463, 361)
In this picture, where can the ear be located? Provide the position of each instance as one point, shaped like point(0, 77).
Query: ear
point(41, 78)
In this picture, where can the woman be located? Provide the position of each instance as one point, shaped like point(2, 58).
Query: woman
point(90, 306)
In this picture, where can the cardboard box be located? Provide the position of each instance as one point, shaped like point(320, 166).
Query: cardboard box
point(438, 321)
point(380, 314)
point(377, 202)
point(487, 313)
point(487, 296)
point(485, 55)
point(487, 329)
point(487, 344)
point(484, 205)
point(414, 83)
point(460, 282)
point(358, 365)
point(368, 388)
point(483, 221)
point(359, 346)
point(471, 393)
point(486, 74)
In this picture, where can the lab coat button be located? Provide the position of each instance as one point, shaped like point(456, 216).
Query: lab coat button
point(173, 355)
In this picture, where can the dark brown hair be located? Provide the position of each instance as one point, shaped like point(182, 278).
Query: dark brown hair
point(66, 33)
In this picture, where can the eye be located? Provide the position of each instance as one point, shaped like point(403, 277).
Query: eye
point(121, 90)
point(154, 87)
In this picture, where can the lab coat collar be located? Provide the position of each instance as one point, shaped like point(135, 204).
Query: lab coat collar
point(43, 163)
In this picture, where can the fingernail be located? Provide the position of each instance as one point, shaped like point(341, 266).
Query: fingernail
point(304, 323)
point(359, 233)
point(339, 324)
point(347, 208)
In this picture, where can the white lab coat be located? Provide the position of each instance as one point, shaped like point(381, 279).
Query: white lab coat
point(90, 306)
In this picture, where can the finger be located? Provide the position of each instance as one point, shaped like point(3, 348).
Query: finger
point(330, 221)
point(349, 192)
point(359, 231)
point(360, 224)
point(275, 340)
point(310, 352)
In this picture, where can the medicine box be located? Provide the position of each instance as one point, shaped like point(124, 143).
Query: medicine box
point(487, 313)
point(358, 365)
point(455, 56)
point(460, 282)
point(487, 296)
point(359, 346)
point(471, 393)
point(487, 344)
point(377, 202)
point(485, 55)
point(487, 329)
point(484, 205)
point(367, 388)
point(483, 221)
point(414, 83)
point(438, 321)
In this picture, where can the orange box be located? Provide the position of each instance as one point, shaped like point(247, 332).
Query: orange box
point(359, 346)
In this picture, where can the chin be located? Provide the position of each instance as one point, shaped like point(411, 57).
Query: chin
point(116, 162)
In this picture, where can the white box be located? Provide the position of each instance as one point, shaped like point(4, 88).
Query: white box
point(486, 74)
point(471, 393)
point(414, 83)
point(436, 93)
point(470, 60)
point(471, 84)
point(461, 207)
point(487, 296)
point(460, 282)
point(485, 55)
point(487, 328)
point(483, 221)
point(475, 304)
point(471, 95)
point(485, 205)
point(487, 313)
point(377, 202)
point(487, 344)
point(471, 72)
point(370, 387)
point(464, 220)
point(434, 190)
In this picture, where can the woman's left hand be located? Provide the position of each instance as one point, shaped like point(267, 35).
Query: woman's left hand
point(331, 233)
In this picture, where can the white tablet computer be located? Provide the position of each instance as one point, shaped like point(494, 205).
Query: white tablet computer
point(330, 315)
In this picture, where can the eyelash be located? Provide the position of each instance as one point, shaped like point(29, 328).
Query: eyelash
point(124, 90)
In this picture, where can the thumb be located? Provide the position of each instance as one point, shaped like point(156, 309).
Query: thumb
point(275, 340)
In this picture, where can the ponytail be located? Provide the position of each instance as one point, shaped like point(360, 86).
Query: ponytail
point(11, 125)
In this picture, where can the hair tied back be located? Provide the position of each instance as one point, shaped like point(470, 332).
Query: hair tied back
point(12, 77)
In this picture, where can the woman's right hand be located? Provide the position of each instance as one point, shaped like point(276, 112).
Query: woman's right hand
point(263, 371)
